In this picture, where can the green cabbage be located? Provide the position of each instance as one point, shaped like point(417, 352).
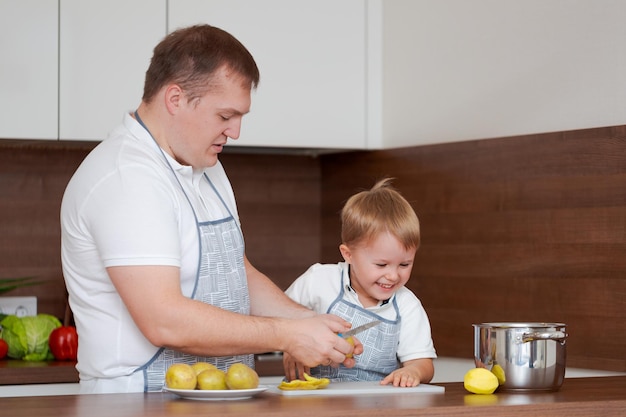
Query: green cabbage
point(28, 336)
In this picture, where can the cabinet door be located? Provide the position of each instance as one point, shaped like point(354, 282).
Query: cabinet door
point(311, 55)
point(105, 50)
point(29, 69)
point(462, 70)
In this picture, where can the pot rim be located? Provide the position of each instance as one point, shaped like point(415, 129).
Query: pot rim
point(519, 325)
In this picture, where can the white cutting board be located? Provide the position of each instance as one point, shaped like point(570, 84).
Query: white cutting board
point(359, 387)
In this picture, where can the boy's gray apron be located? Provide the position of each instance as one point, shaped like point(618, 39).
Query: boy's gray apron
point(380, 344)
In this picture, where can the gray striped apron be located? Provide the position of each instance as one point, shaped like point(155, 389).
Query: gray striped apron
point(380, 344)
point(220, 281)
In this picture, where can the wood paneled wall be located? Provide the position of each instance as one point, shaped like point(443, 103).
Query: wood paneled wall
point(33, 176)
point(278, 198)
point(529, 228)
point(524, 229)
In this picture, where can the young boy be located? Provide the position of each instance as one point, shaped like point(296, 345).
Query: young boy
point(380, 235)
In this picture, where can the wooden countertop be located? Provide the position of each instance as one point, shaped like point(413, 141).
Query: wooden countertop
point(16, 372)
point(604, 396)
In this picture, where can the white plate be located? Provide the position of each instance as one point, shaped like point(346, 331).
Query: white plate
point(217, 395)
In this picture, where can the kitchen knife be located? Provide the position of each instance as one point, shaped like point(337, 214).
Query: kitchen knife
point(359, 329)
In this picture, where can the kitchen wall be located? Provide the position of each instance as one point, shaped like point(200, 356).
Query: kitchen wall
point(33, 175)
point(278, 197)
point(528, 228)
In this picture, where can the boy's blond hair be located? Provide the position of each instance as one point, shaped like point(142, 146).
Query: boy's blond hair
point(380, 209)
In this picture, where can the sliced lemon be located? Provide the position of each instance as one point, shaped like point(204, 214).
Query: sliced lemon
point(308, 383)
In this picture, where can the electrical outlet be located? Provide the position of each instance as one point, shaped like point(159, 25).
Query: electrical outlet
point(19, 306)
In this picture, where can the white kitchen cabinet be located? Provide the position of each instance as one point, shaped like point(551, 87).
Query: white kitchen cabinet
point(29, 69)
point(105, 50)
point(376, 74)
point(348, 74)
point(456, 70)
point(312, 60)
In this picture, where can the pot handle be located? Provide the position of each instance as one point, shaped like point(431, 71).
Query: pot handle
point(529, 337)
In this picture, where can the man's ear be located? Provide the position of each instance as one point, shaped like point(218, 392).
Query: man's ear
point(345, 253)
point(173, 98)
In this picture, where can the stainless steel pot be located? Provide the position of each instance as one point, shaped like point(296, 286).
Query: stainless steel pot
point(532, 355)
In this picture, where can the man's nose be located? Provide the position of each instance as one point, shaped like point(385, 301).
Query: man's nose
point(234, 129)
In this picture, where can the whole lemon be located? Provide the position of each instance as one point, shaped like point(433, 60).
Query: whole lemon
point(180, 376)
point(202, 366)
point(480, 381)
point(241, 376)
point(212, 379)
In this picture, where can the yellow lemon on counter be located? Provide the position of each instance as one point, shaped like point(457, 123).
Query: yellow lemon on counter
point(241, 376)
point(499, 373)
point(202, 366)
point(180, 376)
point(480, 381)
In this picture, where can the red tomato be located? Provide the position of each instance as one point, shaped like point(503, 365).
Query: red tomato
point(63, 343)
point(4, 348)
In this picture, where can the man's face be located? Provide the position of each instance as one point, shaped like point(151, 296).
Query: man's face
point(204, 125)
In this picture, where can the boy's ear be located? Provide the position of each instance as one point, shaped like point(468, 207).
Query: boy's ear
point(345, 253)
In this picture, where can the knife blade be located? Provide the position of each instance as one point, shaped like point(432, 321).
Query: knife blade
point(359, 329)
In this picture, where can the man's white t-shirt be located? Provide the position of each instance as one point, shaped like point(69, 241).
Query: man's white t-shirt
point(124, 206)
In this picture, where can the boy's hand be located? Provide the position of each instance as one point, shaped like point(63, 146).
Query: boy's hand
point(412, 373)
point(402, 377)
point(294, 369)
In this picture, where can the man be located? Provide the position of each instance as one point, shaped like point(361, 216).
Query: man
point(152, 250)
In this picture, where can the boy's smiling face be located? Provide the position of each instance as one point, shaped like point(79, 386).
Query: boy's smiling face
point(378, 267)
